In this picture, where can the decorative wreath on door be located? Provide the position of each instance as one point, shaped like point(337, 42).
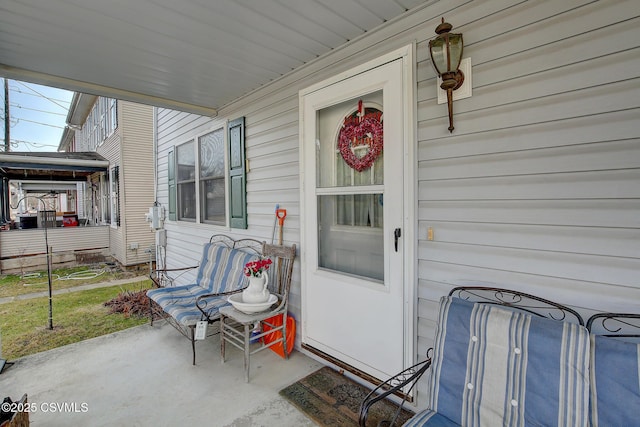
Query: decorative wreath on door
point(358, 129)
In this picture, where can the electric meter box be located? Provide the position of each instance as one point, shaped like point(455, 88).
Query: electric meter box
point(155, 216)
point(161, 238)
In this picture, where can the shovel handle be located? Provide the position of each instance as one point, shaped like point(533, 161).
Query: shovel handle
point(281, 214)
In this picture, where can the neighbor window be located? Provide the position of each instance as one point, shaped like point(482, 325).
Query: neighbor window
point(114, 205)
point(101, 123)
point(105, 217)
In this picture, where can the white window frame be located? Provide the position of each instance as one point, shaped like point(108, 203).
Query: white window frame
point(181, 182)
point(114, 196)
point(101, 123)
point(112, 116)
point(200, 180)
point(198, 202)
point(103, 195)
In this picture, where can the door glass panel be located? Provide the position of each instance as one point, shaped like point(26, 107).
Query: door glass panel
point(359, 210)
point(332, 170)
point(349, 154)
point(350, 237)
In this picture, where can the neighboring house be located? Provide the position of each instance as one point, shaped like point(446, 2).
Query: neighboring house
point(47, 211)
point(121, 132)
point(537, 188)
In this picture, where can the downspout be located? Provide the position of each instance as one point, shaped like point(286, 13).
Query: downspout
point(156, 252)
point(155, 153)
point(6, 198)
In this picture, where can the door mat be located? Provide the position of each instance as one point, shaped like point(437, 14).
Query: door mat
point(333, 400)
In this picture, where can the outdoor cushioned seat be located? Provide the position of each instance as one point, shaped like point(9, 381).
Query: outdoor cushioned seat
point(430, 418)
point(186, 313)
point(220, 271)
point(494, 366)
point(615, 382)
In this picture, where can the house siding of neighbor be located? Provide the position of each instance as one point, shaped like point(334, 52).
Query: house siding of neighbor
point(129, 149)
point(537, 189)
point(136, 181)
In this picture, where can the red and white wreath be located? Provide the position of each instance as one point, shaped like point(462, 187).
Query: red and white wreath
point(367, 130)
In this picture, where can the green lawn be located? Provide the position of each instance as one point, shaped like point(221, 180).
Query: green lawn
point(77, 316)
point(12, 285)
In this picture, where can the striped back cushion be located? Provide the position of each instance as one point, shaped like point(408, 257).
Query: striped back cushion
point(494, 366)
point(615, 382)
point(221, 268)
point(213, 258)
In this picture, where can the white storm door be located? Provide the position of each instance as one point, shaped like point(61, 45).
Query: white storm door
point(353, 284)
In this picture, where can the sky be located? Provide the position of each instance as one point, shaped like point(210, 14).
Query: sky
point(37, 116)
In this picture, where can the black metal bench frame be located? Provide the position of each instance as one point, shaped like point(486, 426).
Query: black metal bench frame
point(621, 325)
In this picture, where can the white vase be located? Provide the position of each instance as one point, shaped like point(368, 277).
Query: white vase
point(257, 291)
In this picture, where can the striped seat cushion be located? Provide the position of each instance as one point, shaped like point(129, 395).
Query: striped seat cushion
point(189, 315)
point(615, 382)
point(183, 295)
point(429, 418)
point(494, 366)
point(180, 303)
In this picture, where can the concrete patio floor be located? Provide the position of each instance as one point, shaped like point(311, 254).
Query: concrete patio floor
point(144, 377)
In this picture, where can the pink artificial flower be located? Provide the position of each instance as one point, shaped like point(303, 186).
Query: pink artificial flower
point(255, 268)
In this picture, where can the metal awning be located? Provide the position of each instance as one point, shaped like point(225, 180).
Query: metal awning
point(50, 165)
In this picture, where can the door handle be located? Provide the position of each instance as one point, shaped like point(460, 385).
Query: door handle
point(397, 233)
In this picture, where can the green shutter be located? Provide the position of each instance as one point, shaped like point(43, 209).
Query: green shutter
point(171, 166)
point(237, 175)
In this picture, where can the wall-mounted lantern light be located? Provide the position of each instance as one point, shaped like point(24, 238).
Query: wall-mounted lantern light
point(446, 53)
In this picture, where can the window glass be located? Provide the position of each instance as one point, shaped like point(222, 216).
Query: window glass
point(114, 178)
point(103, 124)
point(103, 216)
point(212, 188)
point(337, 122)
point(113, 114)
point(186, 168)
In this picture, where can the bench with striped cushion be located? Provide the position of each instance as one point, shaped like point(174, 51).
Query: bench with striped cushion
point(220, 273)
point(497, 366)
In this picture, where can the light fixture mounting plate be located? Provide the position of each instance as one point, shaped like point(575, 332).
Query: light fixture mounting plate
point(463, 91)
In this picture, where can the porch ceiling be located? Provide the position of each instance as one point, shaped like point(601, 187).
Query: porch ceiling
point(192, 55)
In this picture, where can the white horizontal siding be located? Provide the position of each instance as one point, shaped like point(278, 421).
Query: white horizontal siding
point(536, 189)
point(32, 241)
point(609, 213)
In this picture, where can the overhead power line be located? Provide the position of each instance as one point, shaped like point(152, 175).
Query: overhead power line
point(18, 90)
point(42, 95)
point(28, 144)
point(16, 142)
point(35, 109)
point(18, 119)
